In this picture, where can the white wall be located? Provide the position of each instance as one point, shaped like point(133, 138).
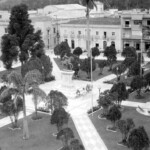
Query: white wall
point(68, 29)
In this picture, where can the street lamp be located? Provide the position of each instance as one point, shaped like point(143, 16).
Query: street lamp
point(57, 33)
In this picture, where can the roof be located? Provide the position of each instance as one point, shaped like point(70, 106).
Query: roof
point(65, 14)
point(40, 18)
point(65, 7)
point(98, 21)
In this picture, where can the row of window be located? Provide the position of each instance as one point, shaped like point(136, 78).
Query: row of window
point(96, 44)
point(96, 33)
point(136, 22)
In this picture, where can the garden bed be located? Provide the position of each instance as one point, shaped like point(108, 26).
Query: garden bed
point(83, 75)
point(41, 137)
point(111, 138)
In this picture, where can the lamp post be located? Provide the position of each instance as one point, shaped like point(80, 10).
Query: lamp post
point(57, 33)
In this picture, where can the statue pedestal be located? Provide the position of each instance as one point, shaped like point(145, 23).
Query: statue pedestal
point(67, 87)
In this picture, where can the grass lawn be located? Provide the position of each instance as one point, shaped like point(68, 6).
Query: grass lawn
point(111, 138)
point(83, 75)
point(145, 97)
point(40, 136)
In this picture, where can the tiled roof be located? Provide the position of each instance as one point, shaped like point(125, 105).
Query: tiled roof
point(98, 21)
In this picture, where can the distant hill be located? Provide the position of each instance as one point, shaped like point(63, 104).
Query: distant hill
point(35, 4)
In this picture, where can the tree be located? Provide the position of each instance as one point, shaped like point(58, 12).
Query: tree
point(75, 145)
point(118, 70)
point(95, 52)
point(47, 66)
point(113, 115)
point(86, 66)
point(64, 49)
point(136, 84)
point(138, 139)
point(128, 62)
point(105, 101)
point(65, 135)
point(21, 86)
point(101, 65)
point(129, 52)
point(38, 95)
point(21, 39)
point(57, 100)
point(134, 69)
point(125, 126)
point(77, 51)
point(122, 93)
point(57, 50)
point(110, 52)
point(9, 51)
point(147, 78)
point(32, 64)
point(59, 118)
point(89, 4)
point(76, 64)
point(12, 108)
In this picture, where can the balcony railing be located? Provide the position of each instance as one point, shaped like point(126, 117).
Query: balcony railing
point(113, 37)
point(127, 26)
point(65, 35)
point(72, 36)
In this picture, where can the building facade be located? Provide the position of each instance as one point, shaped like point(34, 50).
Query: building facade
point(103, 32)
point(134, 30)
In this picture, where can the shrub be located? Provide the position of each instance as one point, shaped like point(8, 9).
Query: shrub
point(95, 108)
point(77, 51)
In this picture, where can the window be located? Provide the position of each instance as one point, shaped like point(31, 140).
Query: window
point(66, 40)
point(6, 30)
point(104, 45)
point(105, 34)
point(72, 44)
point(97, 33)
point(0, 16)
point(148, 22)
point(127, 23)
point(97, 45)
point(113, 33)
point(54, 30)
point(137, 22)
point(113, 43)
point(79, 32)
point(127, 45)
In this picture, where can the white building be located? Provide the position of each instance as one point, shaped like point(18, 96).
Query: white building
point(4, 19)
point(103, 31)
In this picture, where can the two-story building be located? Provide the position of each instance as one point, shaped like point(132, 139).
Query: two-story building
point(133, 30)
point(103, 32)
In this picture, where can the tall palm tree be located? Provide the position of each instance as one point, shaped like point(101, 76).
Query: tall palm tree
point(90, 4)
point(21, 86)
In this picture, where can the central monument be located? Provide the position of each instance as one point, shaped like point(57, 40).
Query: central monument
point(67, 85)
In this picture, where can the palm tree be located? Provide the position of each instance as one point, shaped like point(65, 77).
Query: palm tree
point(90, 4)
point(38, 94)
point(21, 86)
point(57, 99)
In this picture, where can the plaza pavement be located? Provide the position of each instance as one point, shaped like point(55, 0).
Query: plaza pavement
point(78, 107)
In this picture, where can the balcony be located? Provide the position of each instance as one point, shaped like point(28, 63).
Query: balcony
point(79, 36)
point(65, 35)
point(113, 37)
point(97, 37)
point(127, 26)
point(72, 36)
point(126, 36)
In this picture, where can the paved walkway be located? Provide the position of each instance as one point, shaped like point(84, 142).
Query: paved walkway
point(78, 108)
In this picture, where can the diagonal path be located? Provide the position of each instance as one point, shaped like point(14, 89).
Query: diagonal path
point(88, 134)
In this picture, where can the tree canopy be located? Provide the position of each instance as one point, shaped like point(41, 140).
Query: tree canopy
point(21, 40)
